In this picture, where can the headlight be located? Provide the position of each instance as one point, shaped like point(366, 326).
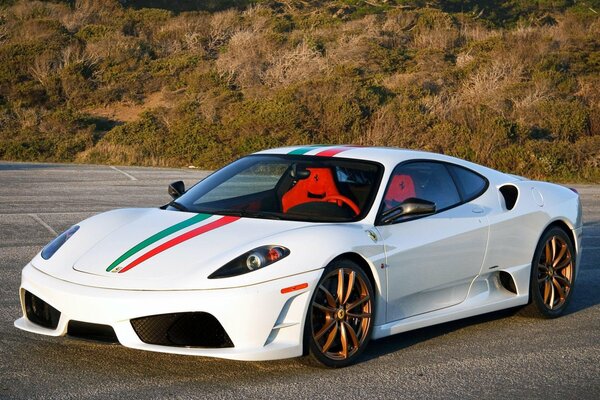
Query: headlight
point(251, 261)
point(54, 245)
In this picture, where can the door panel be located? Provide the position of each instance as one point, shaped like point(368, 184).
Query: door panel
point(432, 261)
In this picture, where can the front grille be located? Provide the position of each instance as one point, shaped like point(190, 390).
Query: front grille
point(39, 312)
point(191, 329)
point(98, 332)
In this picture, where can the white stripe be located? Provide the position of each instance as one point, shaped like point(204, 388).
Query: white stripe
point(131, 177)
point(42, 223)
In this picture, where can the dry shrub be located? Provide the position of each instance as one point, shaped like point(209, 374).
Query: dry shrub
point(441, 105)
point(109, 153)
point(115, 46)
point(221, 28)
point(25, 10)
point(478, 33)
point(257, 17)
point(76, 54)
point(435, 30)
point(352, 44)
point(295, 65)
point(464, 59)
point(90, 12)
point(4, 33)
point(43, 67)
point(27, 118)
point(244, 62)
point(531, 96)
point(384, 129)
point(183, 33)
point(488, 84)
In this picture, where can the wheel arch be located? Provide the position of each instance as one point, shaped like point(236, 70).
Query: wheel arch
point(363, 264)
point(564, 226)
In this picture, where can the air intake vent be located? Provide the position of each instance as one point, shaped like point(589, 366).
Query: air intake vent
point(510, 194)
point(507, 281)
point(193, 329)
point(41, 313)
point(97, 332)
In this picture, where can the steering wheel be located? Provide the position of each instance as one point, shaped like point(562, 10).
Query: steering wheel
point(338, 198)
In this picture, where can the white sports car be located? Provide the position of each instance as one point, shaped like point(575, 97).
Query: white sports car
point(314, 249)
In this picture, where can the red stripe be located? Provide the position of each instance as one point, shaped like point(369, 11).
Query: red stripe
point(180, 239)
point(332, 152)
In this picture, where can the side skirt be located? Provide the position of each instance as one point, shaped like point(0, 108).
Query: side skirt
point(485, 295)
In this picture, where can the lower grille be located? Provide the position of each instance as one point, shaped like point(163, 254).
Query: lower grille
point(39, 312)
point(97, 332)
point(192, 329)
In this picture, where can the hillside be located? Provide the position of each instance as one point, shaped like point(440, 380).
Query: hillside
point(510, 84)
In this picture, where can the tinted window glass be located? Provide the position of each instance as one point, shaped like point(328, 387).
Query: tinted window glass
point(424, 180)
point(470, 184)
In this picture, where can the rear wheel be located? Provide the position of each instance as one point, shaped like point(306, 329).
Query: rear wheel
point(552, 274)
point(339, 318)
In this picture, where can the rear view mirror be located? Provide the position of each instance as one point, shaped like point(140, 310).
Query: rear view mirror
point(176, 189)
point(299, 173)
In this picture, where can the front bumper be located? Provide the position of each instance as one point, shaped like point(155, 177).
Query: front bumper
point(263, 323)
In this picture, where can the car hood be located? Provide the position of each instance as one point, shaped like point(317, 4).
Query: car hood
point(159, 249)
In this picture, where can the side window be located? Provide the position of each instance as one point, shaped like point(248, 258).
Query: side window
point(470, 184)
point(424, 180)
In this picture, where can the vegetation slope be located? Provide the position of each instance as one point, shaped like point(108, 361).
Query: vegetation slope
point(510, 84)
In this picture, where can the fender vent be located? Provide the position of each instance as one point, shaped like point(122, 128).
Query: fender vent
point(510, 194)
point(191, 329)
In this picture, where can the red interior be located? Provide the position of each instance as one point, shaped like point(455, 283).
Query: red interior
point(400, 189)
point(319, 185)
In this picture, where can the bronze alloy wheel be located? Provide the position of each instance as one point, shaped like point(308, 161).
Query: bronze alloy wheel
point(340, 315)
point(553, 274)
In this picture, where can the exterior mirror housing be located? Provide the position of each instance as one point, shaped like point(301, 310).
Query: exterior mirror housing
point(176, 189)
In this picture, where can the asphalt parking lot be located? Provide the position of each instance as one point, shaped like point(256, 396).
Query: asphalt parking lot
point(501, 355)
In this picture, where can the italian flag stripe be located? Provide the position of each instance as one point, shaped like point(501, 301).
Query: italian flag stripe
point(333, 151)
point(180, 239)
point(330, 152)
point(156, 237)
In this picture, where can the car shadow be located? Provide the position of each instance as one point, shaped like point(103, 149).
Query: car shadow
point(586, 295)
point(400, 341)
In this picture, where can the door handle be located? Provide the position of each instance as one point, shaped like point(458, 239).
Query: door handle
point(477, 210)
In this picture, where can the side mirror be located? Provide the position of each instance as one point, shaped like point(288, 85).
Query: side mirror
point(409, 207)
point(176, 189)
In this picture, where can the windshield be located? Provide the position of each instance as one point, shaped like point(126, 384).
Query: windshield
point(305, 188)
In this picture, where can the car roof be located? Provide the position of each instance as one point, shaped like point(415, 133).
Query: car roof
point(388, 156)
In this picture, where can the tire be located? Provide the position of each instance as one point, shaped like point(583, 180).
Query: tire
point(552, 275)
point(339, 322)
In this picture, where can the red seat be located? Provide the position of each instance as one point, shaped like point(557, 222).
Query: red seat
point(400, 189)
point(318, 186)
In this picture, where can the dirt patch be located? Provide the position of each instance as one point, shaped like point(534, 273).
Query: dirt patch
point(127, 112)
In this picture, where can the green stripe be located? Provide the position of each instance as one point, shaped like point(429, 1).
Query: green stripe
point(304, 150)
point(156, 237)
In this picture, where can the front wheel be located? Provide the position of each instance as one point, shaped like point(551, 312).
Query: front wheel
point(552, 274)
point(339, 318)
